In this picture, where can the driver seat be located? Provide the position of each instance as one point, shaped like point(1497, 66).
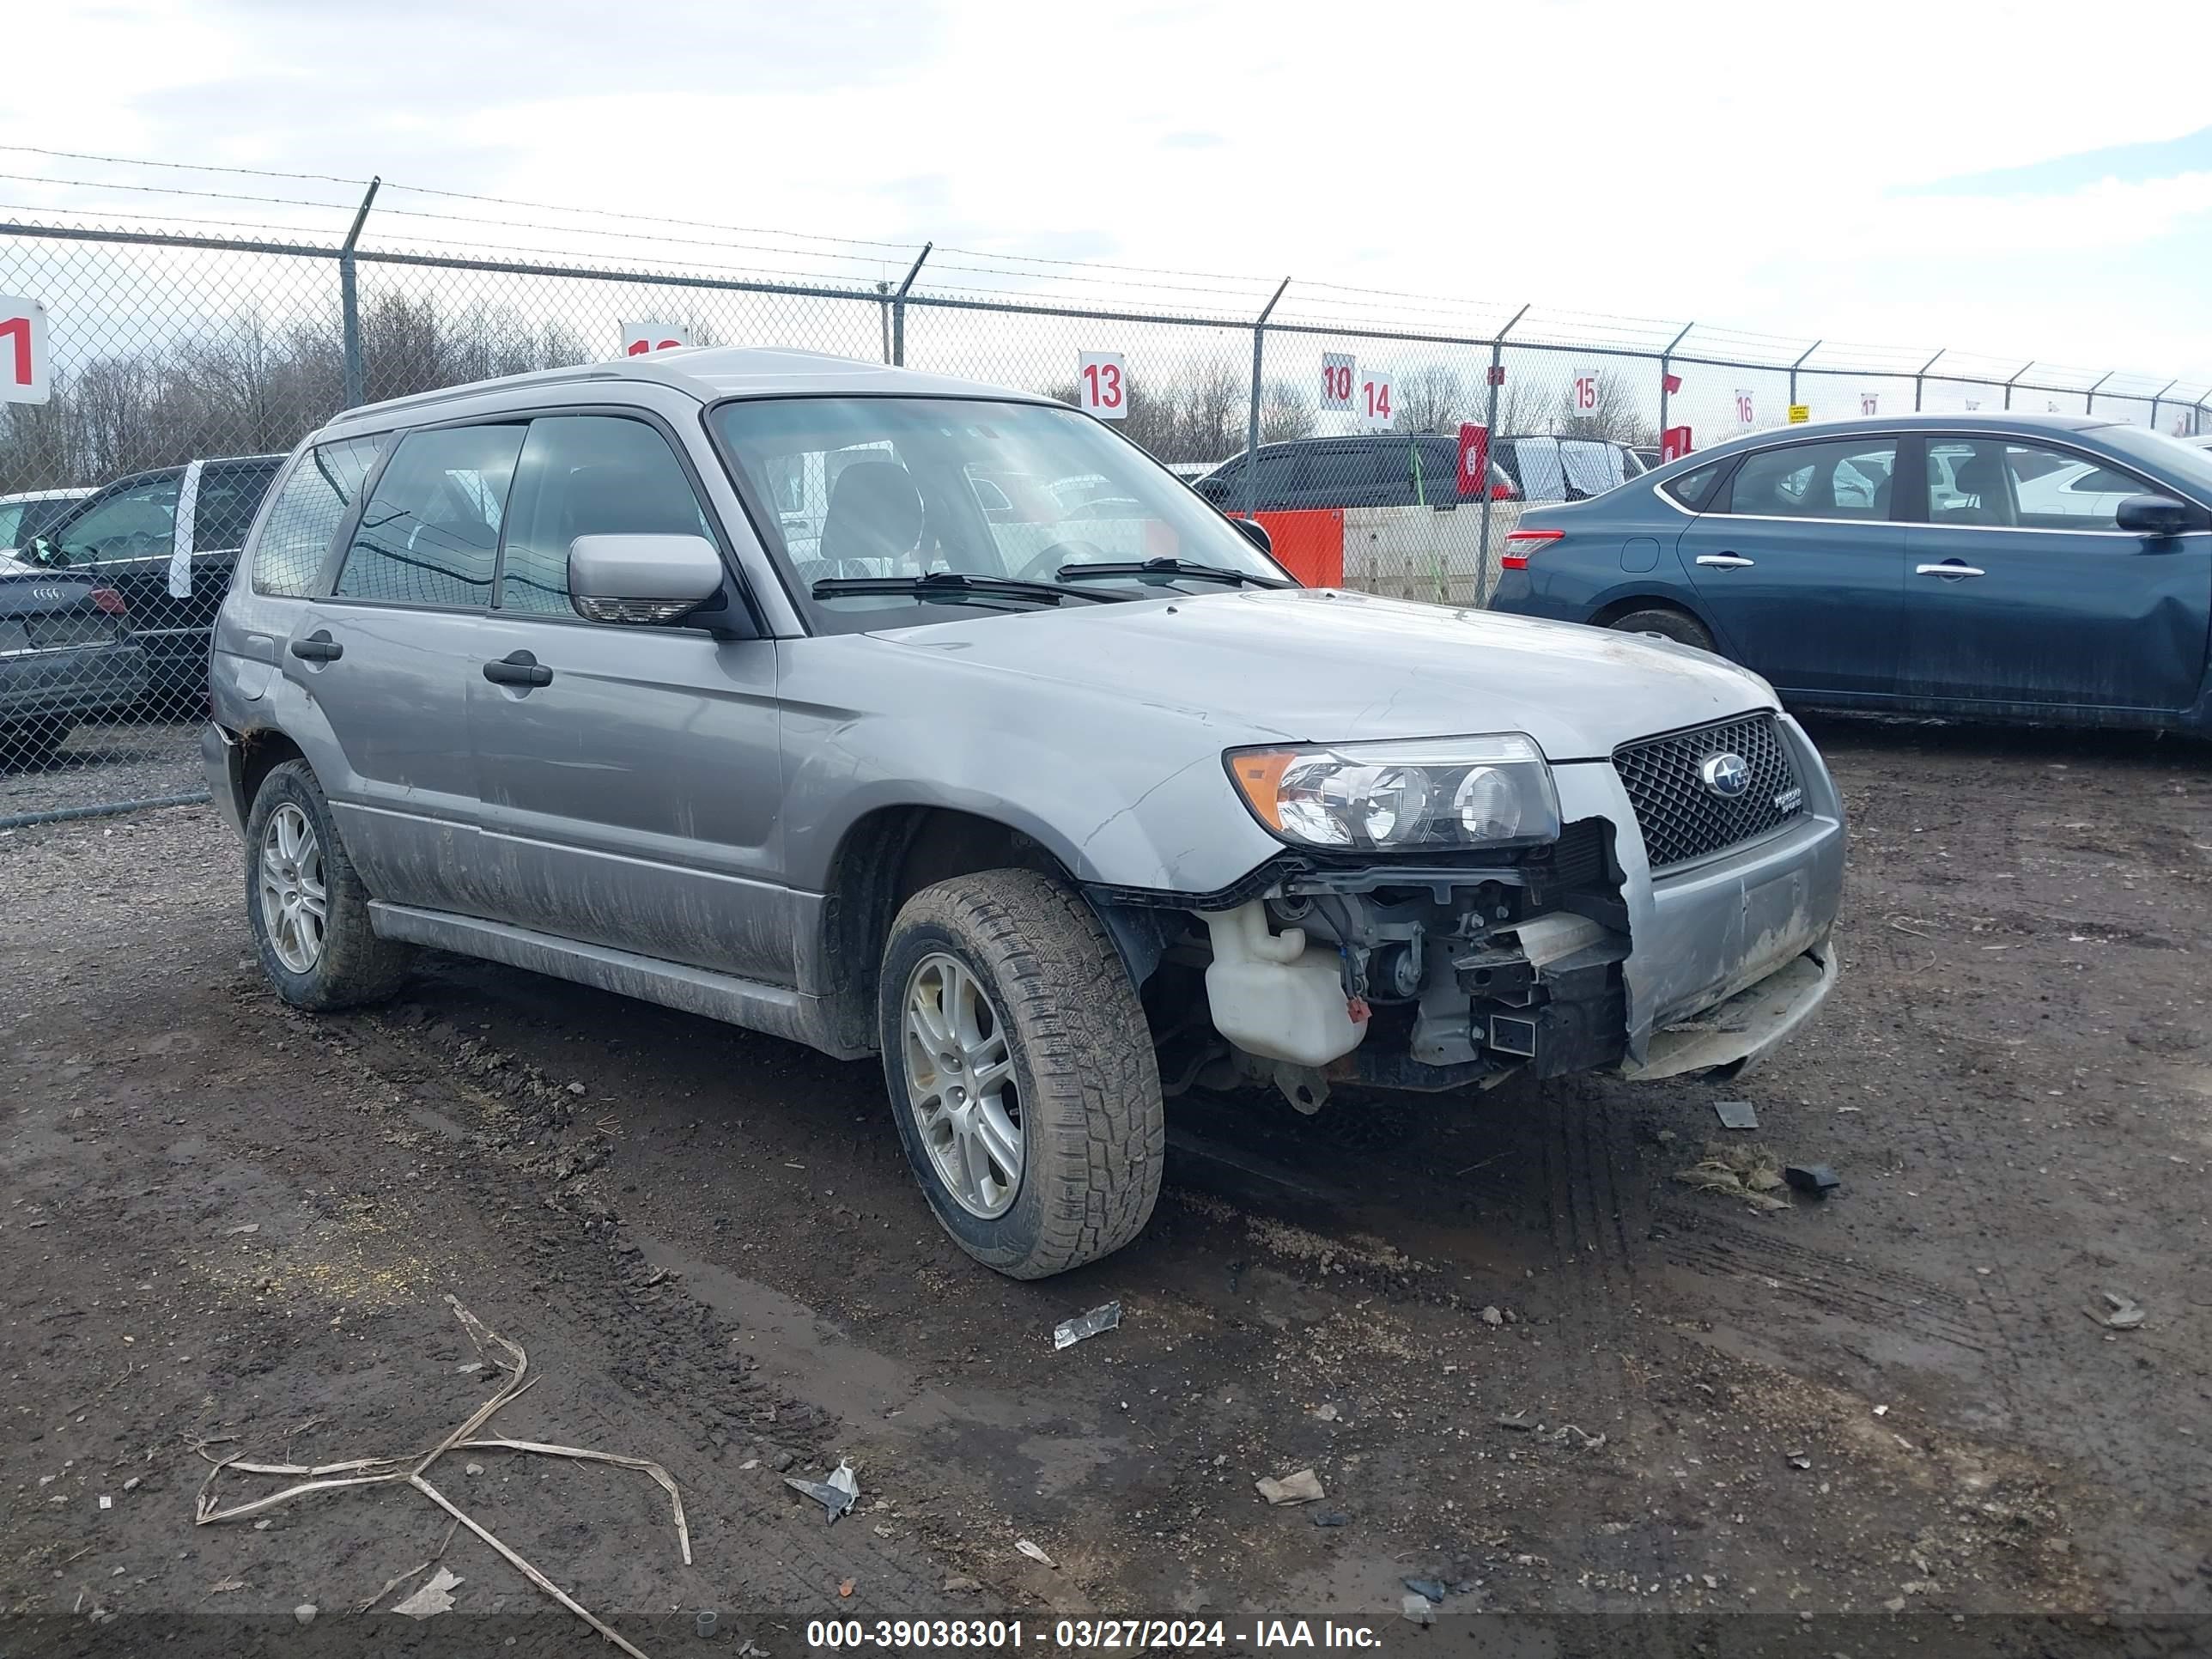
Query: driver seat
point(875, 515)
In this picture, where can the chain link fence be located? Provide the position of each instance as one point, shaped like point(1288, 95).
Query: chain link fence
point(182, 368)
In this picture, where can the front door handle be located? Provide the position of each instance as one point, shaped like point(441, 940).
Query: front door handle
point(1725, 562)
point(318, 646)
point(1950, 569)
point(518, 668)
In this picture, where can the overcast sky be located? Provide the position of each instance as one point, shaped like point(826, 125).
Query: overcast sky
point(2023, 180)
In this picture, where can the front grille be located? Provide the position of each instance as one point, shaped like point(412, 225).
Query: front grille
point(1680, 818)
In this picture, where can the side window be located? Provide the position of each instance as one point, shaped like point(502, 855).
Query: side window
point(1690, 488)
point(1848, 478)
point(308, 513)
point(587, 475)
point(229, 496)
point(137, 521)
point(430, 534)
point(2058, 489)
point(1277, 475)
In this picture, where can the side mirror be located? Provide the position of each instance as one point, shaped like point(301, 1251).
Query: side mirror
point(2153, 515)
point(641, 579)
point(1256, 533)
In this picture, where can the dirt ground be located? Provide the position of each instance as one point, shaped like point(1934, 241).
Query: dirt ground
point(1888, 1410)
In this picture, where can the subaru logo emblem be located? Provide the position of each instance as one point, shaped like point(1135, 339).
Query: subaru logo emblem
point(1726, 775)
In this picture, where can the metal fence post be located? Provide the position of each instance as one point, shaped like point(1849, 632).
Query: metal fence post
point(2158, 398)
point(1667, 372)
point(1252, 416)
point(883, 316)
point(2089, 397)
point(1922, 376)
point(1490, 426)
point(2017, 373)
point(356, 372)
point(1795, 366)
point(898, 307)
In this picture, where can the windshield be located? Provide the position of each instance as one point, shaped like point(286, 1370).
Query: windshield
point(902, 487)
point(2185, 464)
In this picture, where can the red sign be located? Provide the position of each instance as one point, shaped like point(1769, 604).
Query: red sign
point(1473, 459)
point(1498, 374)
point(1675, 443)
point(1671, 382)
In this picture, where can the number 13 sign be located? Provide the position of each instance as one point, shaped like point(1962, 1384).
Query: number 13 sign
point(26, 377)
point(1102, 385)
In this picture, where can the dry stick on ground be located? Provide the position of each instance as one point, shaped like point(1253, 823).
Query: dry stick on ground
point(381, 1471)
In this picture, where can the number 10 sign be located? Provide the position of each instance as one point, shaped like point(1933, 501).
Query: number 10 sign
point(26, 376)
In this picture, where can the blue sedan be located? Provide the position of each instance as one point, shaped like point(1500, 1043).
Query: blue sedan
point(2013, 566)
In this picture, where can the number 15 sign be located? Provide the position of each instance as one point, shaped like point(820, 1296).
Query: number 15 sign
point(26, 377)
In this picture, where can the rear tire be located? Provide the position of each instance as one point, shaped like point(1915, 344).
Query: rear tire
point(306, 905)
point(1666, 623)
point(27, 748)
point(1045, 1061)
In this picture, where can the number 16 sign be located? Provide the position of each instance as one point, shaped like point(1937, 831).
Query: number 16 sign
point(25, 375)
point(1102, 385)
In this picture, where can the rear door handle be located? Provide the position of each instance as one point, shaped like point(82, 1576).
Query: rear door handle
point(318, 646)
point(1953, 568)
point(518, 668)
point(1725, 562)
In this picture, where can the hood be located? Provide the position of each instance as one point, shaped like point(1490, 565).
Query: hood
point(1325, 666)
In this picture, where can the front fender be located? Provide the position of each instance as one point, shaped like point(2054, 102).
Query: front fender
point(1123, 794)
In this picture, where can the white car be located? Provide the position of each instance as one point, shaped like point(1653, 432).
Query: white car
point(29, 513)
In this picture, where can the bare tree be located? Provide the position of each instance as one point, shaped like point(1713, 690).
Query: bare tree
point(1284, 413)
point(1431, 400)
point(1617, 415)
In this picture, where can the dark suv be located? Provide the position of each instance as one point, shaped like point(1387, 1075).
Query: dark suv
point(1397, 469)
point(125, 536)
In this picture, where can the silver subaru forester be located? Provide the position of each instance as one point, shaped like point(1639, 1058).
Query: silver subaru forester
point(893, 714)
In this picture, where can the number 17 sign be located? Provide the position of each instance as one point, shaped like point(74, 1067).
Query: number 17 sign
point(26, 377)
point(1102, 385)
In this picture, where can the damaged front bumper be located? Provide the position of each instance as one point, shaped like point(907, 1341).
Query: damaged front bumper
point(1574, 957)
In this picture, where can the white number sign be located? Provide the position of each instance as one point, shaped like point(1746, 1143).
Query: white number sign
point(1102, 385)
point(1743, 408)
point(1869, 402)
point(1337, 371)
point(638, 338)
point(1583, 396)
point(26, 377)
point(1374, 410)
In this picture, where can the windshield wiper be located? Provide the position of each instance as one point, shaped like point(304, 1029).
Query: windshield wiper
point(956, 585)
point(1168, 570)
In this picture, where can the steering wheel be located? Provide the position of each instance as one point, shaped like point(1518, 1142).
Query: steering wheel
point(1046, 565)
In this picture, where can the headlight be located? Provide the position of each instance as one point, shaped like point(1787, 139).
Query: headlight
point(1493, 791)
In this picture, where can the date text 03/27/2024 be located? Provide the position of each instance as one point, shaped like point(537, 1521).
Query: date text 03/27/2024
point(1124, 1635)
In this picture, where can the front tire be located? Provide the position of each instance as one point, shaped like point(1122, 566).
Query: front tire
point(1668, 624)
point(306, 905)
point(1021, 1072)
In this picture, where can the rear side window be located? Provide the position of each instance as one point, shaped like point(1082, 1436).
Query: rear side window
point(308, 513)
point(1844, 479)
point(1691, 487)
point(588, 474)
point(430, 534)
point(230, 494)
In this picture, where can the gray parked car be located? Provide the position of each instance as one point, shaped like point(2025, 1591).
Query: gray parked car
point(716, 679)
point(66, 655)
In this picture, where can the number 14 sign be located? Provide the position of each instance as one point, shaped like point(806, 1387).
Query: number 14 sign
point(26, 376)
